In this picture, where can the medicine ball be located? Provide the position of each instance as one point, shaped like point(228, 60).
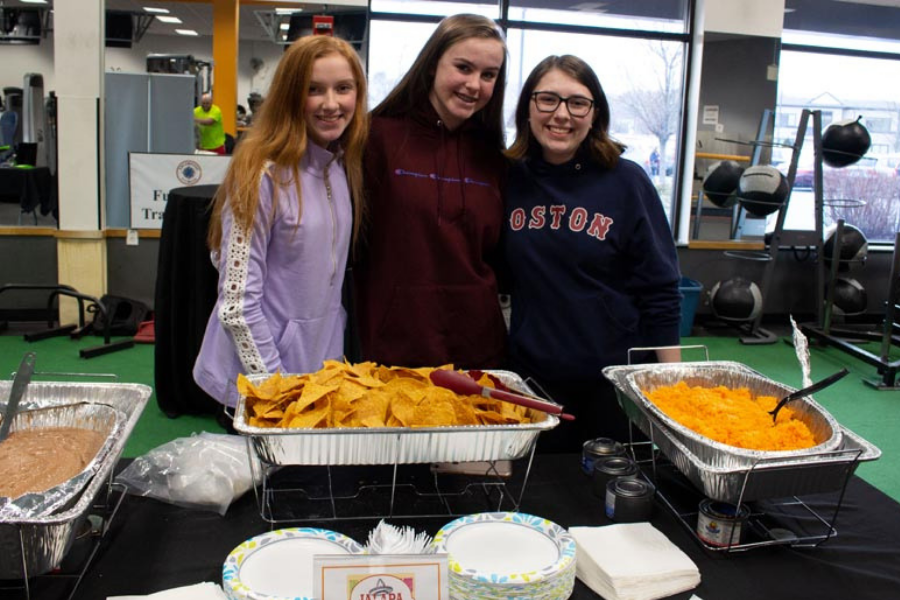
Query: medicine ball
point(762, 190)
point(736, 299)
point(845, 142)
point(721, 182)
point(850, 297)
point(854, 246)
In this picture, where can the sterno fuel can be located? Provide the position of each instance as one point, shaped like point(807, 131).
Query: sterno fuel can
point(721, 524)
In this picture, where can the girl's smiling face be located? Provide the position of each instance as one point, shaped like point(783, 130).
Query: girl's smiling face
point(331, 100)
point(464, 79)
point(559, 132)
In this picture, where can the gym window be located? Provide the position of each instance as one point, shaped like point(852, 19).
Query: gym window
point(844, 59)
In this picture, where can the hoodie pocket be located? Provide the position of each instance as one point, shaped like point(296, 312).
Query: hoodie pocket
point(305, 343)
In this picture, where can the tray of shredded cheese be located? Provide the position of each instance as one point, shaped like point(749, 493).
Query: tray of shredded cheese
point(710, 419)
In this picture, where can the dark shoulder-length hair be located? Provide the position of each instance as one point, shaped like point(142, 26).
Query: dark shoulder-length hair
point(601, 147)
point(412, 92)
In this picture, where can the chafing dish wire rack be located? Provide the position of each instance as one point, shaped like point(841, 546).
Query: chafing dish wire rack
point(42, 547)
point(88, 540)
point(788, 521)
point(440, 466)
point(297, 494)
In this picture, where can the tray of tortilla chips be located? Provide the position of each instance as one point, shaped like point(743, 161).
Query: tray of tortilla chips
point(367, 414)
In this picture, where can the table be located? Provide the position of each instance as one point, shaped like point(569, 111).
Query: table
point(184, 298)
point(32, 189)
point(153, 546)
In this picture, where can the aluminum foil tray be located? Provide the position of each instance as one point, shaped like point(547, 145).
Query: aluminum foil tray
point(732, 474)
point(394, 445)
point(633, 379)
point(35, 545)
point(101, 418)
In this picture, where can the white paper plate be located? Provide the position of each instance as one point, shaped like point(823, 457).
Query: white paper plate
point(279, 564)
point(505, 548)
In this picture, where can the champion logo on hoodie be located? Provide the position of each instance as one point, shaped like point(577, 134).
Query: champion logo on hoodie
point(577, 219)
point(436, 177)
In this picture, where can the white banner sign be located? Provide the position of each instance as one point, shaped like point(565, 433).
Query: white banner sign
point(151, 176)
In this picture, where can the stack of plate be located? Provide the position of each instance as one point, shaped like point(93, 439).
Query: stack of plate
point(279, 564)
point(503, 555)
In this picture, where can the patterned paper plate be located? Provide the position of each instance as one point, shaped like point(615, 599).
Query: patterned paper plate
point(278, 565)
point(506, 549)
point(553, 588)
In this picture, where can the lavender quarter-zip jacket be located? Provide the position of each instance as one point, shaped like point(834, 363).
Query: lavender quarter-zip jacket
point(279, 291)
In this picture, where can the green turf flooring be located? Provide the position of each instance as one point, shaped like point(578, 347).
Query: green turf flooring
point(58, 360)
point(872, 414)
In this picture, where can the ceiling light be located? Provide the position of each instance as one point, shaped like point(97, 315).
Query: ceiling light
point(168, 19)
point(284, 26)
point(287, 11)
point(186, 32)
point(34, 1)
point(153, 9)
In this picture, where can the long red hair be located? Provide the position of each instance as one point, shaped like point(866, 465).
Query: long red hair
point(279, 135)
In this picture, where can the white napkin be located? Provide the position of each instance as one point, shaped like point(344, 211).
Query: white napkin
point(200, 591)
point(632, 561)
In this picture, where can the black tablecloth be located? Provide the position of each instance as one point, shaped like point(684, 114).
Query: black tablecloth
point(153, 546)
point(32, 189)
point(185, 297)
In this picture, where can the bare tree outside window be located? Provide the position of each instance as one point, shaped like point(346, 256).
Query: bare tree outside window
point(655, 103)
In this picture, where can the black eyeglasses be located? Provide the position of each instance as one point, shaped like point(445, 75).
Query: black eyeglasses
point(548, 102)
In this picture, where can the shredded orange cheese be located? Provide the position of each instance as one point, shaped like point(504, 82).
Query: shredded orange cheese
point(732, 417)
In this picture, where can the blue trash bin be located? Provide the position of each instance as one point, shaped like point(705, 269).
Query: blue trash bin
point(690, 291)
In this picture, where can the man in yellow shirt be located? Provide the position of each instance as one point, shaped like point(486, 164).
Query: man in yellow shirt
point(208, 118)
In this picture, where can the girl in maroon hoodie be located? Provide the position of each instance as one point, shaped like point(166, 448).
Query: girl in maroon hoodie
point(434, 171)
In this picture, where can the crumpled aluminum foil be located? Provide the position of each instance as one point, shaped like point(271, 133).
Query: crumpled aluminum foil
point(801, 347)
point(31, 547)
point(97, 417)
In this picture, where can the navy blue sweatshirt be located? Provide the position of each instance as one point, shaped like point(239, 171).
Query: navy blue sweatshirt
point(592, 265)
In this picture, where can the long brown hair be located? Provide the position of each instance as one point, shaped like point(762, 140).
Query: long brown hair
point(279, 135)
point(412, 92)
point(602, 148)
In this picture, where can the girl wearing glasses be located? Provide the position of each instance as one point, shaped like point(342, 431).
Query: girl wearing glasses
point(434, 168)
point(593, 268)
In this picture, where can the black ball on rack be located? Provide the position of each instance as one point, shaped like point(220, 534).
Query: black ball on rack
point(854, 246)
point(762, 190)
point(736, 299)
point(721, 181)
point(845, 142)
point(850, 297)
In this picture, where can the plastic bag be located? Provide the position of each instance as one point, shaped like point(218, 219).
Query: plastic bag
point(206, 471)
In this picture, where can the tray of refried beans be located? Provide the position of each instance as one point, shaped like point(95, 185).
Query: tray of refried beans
point(368, 414)
point(64, 441)
point(711, 420)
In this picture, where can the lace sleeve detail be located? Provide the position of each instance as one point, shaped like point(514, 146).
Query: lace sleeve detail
point(231, 311)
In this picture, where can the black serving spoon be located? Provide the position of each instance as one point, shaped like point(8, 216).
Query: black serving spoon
point(20, 382)
point(818, 386)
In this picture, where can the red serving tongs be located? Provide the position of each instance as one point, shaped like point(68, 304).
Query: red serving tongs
point(463, 384)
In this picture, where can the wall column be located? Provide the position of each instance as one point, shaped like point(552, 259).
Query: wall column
point(78, 53)
point(226, 22)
